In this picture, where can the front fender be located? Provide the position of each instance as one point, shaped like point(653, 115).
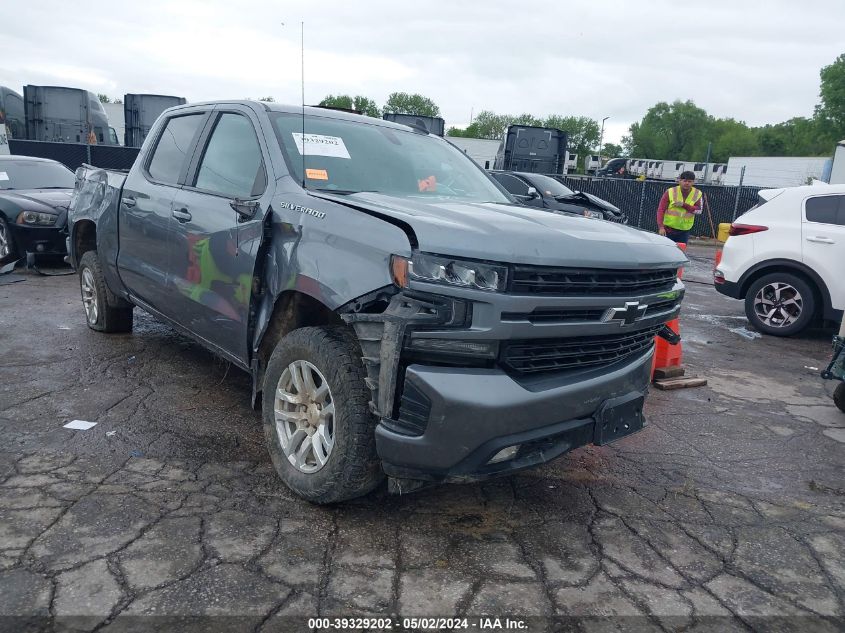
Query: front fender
point(328, 251)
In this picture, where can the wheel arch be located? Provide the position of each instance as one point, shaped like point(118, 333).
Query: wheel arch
point(292, 310)
point(822, 294)
point(83, 239)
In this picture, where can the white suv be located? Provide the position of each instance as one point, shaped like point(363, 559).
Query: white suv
point(786, 258)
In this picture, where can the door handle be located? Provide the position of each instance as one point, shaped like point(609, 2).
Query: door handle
point(128, 202)
point(820, 240)
point(181, 215)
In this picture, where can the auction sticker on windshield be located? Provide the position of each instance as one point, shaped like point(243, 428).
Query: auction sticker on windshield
point(321, 145)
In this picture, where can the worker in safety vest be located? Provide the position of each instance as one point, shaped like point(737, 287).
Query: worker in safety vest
point(678, 208)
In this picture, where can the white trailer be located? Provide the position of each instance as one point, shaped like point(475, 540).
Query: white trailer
point(571, 163)
point(776, 171)
point(837, 170)
point(591, 163)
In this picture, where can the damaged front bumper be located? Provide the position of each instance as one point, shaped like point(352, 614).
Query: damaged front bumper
point(471, 419)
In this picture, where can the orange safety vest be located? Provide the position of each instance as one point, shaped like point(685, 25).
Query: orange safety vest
point(676, 217)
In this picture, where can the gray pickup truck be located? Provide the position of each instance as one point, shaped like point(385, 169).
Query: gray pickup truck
point(399, 313)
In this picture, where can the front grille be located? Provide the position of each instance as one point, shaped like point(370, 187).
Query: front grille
point(578, 315)
point(555, 315)
point(546, 355)
point(569, 282)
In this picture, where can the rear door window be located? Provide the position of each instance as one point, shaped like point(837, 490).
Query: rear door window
point(172, 153)
point(826, 210)
point(232, 165)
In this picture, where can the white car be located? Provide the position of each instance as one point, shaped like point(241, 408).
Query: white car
point(786, 258)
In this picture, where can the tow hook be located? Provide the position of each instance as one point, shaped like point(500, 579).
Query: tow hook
point(669, 334)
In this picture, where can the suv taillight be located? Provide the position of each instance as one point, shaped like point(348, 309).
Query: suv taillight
point(745, 229)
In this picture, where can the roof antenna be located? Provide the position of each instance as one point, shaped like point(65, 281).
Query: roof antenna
point(302, 58)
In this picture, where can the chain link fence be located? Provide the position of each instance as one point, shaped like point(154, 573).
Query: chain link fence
point(74, 154)
point(639, 200)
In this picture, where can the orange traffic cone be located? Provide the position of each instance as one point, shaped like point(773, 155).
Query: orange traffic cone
point(668, 357)
point(666, 368)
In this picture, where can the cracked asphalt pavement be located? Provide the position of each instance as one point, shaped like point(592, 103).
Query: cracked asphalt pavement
point(725, 513)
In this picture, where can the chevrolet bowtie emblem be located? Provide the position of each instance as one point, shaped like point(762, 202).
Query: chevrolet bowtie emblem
point(630, 314)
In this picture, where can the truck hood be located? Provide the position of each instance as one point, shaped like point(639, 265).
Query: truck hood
point(41, 200)
point(518, 235)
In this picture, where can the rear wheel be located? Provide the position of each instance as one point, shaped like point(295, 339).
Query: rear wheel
point(317, 422)
point(103, 311)
point(7, 245)
point(781, 304)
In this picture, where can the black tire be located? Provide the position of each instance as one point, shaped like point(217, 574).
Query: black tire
point(793, 312)
point(7, 242)
point(839, 396)
point(352, 468)
point(111, 314)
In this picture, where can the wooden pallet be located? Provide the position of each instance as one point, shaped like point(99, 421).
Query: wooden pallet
point(679, 383)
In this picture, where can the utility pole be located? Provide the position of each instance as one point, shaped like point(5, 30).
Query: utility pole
point(601, 138)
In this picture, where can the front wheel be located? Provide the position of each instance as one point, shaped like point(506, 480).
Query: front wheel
point(103, 311)
point(317, 422)
point(780, 304)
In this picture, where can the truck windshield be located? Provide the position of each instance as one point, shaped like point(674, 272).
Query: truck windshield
point(354, 156)
point(31, 174)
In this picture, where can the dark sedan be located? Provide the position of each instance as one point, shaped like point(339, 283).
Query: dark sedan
point(545, 192)
point(34, 197)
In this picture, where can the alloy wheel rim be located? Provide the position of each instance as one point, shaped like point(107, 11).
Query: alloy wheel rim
point(778, 305)
point(89, 296)
point(304, 413)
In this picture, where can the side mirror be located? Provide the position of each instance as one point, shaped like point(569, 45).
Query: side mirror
point(246, 209)
point(532, 193)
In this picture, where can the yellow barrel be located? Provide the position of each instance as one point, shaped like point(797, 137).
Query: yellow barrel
point(724, 227)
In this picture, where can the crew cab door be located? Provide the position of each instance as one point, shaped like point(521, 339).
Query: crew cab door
point(214, 248)
point(145, 223)
point(823, 243)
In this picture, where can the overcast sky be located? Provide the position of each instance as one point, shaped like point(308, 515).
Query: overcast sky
point(754, 61)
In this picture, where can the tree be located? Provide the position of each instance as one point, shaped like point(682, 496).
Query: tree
point(367, 106)
point(612, 150)
point(404, 103)
point(267, 99)
point(674, 132)
point(104, 98)
point(831, 110)
point(337, 101)
point(361, 104)
point(119, 101)
point(488, 124)
point(582, 132)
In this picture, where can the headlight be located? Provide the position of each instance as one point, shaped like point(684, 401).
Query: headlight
point(33, 217)
point(446, 270)
point(593, 214)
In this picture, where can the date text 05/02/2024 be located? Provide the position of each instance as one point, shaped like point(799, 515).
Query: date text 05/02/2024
point(385, 624)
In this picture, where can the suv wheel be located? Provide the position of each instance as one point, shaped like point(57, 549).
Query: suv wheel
point(103, 311)
point(317, 421)
point(781, 304)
